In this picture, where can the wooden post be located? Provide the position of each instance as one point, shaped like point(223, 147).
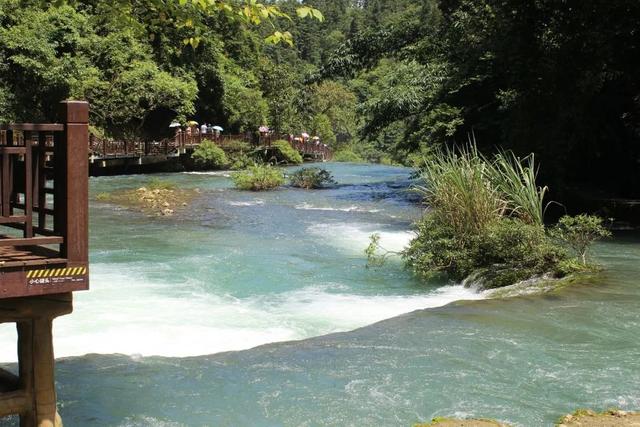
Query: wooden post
point(74, 199)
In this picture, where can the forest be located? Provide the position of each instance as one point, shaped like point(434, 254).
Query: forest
point(382, 81)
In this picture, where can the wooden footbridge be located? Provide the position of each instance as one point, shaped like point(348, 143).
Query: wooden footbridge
point(43, 250)
point(106, 153)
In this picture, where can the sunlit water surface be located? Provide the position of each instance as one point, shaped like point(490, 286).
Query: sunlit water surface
point(237, 270)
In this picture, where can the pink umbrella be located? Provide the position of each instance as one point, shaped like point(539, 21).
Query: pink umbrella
point(263, 129)
point(305, 135)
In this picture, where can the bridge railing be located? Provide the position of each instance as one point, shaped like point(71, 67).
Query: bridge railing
point(106, 148)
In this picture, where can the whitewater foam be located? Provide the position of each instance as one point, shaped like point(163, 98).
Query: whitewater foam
point(355, 237)
point(310, 207)
point(256, 202)
point(225, 174)
point(145, 319)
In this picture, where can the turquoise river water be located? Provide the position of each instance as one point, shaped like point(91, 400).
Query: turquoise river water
point(256, 309)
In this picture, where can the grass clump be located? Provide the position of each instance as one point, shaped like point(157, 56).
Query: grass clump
point(310, 178)
point(160, 184)
point(208, 155)
point(258, 178)
point(289, 154)
point(485, 223)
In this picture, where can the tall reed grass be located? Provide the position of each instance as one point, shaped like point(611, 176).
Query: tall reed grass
point(456, 187)
point(470, 191)
point(515, 180)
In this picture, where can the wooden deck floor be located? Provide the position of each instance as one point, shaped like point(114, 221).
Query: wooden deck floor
point(11, 256)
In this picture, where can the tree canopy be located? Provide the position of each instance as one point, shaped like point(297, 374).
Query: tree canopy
point(388, 79)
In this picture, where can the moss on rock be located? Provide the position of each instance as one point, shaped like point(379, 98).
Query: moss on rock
point(159, 198)
point(608, 418)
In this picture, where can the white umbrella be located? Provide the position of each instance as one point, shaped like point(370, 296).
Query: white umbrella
point(174, 124)
point(305, 135)
point(216, 127)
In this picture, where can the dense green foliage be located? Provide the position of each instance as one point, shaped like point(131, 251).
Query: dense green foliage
point(208, 155)
point(505, 252)
point(385, 79)
point(258, 178)
point(347, 155)
point(289, 154)
point(141, 63)
point(552, 77)
point(240, 154)
point(310, 178)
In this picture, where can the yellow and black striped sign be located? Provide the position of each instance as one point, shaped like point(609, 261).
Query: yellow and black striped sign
point(57, 272)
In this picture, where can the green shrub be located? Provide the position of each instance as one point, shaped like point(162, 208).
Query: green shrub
point(258, 178)
point(239, 161)
point(289, 154)
point(580, 232)
point(209, 156)
point(309, 178)
point(506, 252)
point(347, 155)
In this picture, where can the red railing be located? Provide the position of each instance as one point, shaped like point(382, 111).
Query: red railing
point(106, 148)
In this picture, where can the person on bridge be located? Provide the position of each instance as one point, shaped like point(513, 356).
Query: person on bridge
point(203, 129)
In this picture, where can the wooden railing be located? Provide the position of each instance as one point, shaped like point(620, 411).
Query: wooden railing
point(44, 195)
point(105, 148)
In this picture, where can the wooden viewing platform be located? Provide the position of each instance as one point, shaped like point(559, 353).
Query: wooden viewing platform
point(43, 249)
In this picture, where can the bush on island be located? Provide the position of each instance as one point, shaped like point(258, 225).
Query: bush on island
point(579, 232)
point(310, 178)
point(208, 155)
point(258, 178)
point(485, 223)
point(289, 154)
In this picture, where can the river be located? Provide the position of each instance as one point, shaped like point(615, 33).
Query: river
point(174, 299)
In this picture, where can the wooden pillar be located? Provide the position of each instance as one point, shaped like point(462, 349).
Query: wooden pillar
point(72, 165)
point(32, 393)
